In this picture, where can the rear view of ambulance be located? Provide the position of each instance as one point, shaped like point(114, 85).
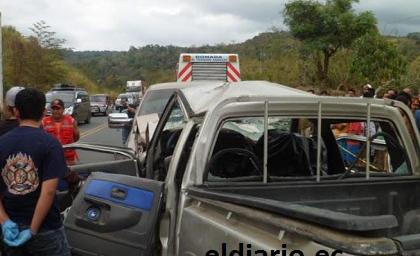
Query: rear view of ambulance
point(208, 66)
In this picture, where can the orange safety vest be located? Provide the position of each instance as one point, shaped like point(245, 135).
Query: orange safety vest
point(64, 132)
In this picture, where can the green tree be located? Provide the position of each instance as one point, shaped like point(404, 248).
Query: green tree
point(378, 60)
point(44, 56)
point(414, 35)
point(325, 28)
point(47, 39)
point(413, 75)
point(28, 63)
point(14, 49)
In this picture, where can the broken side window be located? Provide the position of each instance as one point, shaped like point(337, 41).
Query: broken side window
point(292, 144)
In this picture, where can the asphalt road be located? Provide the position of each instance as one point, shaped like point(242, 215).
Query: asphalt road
point(97, 132)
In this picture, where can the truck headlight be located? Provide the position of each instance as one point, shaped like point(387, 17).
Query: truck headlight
point(69, 110)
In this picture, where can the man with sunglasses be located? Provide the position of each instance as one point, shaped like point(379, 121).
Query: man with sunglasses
point(63, 127)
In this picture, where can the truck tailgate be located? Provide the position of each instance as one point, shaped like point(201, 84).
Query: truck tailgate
point(251, 212)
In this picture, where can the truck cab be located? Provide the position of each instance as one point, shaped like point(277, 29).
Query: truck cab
point(257, 167)
point(100, 104)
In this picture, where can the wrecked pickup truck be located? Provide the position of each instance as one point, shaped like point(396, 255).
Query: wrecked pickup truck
point(256, 168)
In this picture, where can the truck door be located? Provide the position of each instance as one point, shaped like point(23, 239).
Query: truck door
point(118, 214)
point(165, 138)
point(114, 215)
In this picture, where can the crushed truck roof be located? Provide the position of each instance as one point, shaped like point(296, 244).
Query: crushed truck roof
point(201, 95)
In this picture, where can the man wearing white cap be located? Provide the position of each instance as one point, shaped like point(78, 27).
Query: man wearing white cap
point(11, 122)
point(368, 91)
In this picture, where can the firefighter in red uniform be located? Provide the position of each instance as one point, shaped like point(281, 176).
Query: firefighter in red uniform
point(63, 127)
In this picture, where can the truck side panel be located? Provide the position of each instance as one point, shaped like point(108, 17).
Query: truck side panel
point(222, 227)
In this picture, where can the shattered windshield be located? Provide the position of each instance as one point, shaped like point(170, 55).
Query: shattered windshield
point(254, 127)
point(155, 101)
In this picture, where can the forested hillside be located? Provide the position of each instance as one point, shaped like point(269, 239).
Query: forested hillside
point(38, 60)
point(329, 46)
point(272, 56)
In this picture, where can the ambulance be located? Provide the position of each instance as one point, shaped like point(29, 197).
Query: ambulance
point(208, 66)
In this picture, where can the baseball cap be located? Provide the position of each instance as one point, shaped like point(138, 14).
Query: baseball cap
point(11, 95)
point(57, 103)
point(368, 86)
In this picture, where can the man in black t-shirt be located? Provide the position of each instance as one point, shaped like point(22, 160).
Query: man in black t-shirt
point(11, 122)
point(31, 163)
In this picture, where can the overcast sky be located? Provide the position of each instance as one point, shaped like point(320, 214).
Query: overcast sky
point(119, 24)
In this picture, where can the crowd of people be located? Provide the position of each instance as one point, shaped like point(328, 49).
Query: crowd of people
point(406, 96)
point(351, 148)
point(32, 164)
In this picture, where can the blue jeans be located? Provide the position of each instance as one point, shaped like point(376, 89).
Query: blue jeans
point(125, 132)
point(47, 243)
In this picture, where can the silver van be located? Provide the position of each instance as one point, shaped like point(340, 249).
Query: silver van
point(76, 101)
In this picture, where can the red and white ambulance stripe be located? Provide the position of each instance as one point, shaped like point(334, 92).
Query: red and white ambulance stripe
point(233, 75)
point(186, 73)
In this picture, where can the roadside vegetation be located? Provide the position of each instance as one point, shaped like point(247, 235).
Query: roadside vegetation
point(328, 46)
point(38, 60)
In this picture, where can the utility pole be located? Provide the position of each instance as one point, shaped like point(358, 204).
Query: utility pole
point(1, 71)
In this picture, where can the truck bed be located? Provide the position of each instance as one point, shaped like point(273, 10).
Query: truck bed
point(374, 208)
